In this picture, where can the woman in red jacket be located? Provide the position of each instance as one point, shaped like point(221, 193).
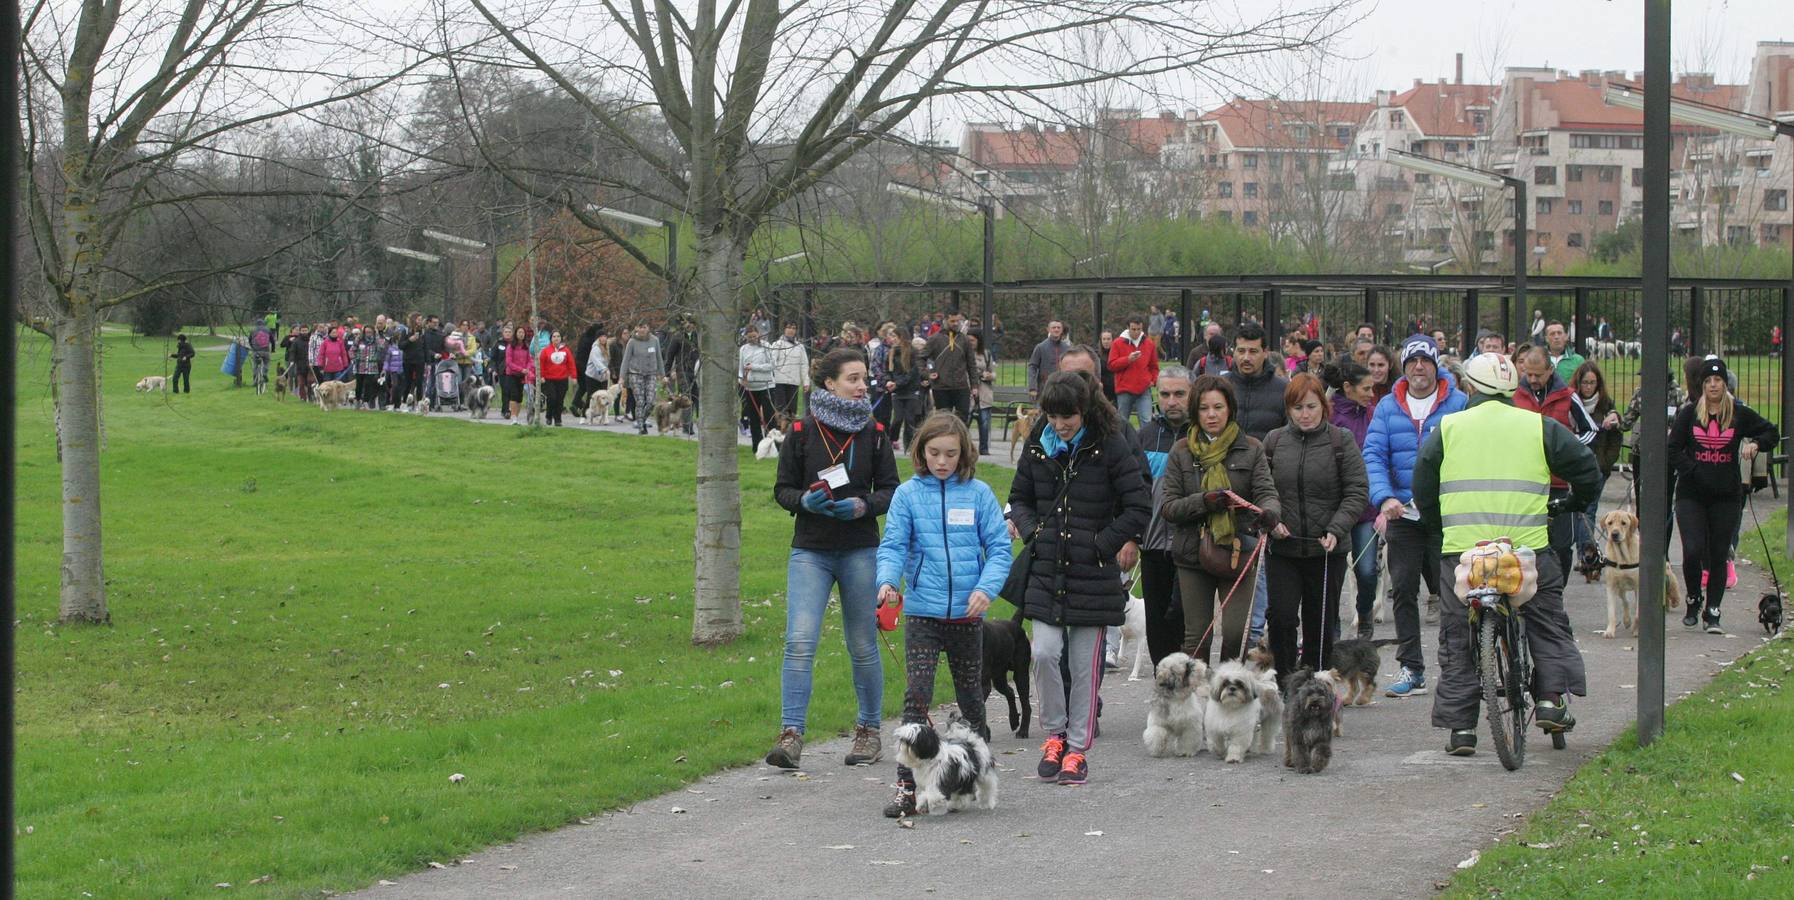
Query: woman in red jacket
point(558, 372)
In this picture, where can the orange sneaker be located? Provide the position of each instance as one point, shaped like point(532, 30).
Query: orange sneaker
point(1075, 769)
point(1051, 753)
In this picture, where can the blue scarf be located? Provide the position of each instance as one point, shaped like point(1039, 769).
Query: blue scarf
point(848, 416)
point(1053, 445)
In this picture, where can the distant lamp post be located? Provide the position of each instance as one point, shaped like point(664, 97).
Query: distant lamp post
point(982, 207)
point(465, 248)
point(448, 279)
point(1482, 178)
point(672, 228)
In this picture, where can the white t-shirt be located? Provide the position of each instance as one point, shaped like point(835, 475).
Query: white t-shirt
point(1421, 407)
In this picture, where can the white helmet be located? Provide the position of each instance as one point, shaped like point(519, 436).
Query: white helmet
point(1492, 373)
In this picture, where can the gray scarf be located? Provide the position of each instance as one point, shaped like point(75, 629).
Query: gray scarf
point(848, 416)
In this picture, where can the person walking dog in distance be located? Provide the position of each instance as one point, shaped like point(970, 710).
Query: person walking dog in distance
point(836, 477)
point(183, 365)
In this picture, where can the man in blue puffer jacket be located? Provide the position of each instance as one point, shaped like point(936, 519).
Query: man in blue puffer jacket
point(946, 539)
point(1398, 427)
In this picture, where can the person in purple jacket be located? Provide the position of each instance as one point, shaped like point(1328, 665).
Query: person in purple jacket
point(1353, 403)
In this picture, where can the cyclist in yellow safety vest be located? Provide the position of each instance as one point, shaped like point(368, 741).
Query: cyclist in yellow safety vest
point(1485, 474)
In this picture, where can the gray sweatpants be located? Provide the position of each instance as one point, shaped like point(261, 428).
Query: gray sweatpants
point(1082, 646)
point(1556, 663)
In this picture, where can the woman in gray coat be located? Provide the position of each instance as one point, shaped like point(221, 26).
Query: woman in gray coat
point(1320, 473)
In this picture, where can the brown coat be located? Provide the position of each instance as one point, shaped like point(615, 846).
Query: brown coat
point(1184, 508)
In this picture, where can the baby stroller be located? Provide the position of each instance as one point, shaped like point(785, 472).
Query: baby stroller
point(448, 384)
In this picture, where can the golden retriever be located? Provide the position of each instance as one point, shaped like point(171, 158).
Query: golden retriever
point(1620, 544)
point(332, 394)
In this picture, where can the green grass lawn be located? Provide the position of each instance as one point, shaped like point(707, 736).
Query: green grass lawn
point(1672, 820)
point(318, 618)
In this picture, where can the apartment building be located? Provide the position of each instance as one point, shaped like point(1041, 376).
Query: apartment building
point(1735, 190)
point(1262, 161)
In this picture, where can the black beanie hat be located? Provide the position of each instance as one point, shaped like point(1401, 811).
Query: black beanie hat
point(1712, 366)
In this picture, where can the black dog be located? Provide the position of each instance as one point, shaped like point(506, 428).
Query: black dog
point(1006, 653)
point(1769, 612)
point(1308, 723)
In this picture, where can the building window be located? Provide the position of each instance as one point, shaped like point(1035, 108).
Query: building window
point(1605, 207)
point(1422, 178)
point(1485, 240)
point(1393, 209)
point(1451, 146)
point(1607, 173)
point(1251, 188)
point(1544, 175)
point(1574, 240)
point(1224, 189)
point(1274, 159)
point(1607, 142)
point(1249, 217)
point(1224, 215)
point(1776, 199)
point(1544, 205)
point(1772, 233)
point(1638, 178)
point(1343, 134)
point(1249, 160)
point(1343, 181)
point(1575, 207)
point(1274, 190)
point(1396, 119)
point(1572, 173)
point(1737, 235)
point(1477, 118)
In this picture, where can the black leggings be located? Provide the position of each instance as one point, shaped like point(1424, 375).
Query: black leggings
point(1164, 609)
point(923, 642)
point(1298, 596)
point(512, 385)
point(1708, 527)
point(555, 390)
point(367, 389)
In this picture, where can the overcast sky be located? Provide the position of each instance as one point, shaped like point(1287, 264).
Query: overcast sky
point(1402, 40)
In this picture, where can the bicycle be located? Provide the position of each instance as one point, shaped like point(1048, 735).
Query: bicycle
point(261, 373)
point(1500, 581)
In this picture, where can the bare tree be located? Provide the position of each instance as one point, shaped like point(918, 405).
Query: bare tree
point(124, 109)
point(765, 99)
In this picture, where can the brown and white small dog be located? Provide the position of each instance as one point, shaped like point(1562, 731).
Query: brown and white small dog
point(152, 383)
point(332, 394)
point(666, 412)
point(1620, 544)
point(1024, 426)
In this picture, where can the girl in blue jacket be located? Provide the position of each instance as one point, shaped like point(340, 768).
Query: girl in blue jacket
point(945, 538)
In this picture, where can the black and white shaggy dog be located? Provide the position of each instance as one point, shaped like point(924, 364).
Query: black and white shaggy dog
point(1174, 714)
point(1308, 723)
point(479, 397)
point(954, 769)
point(1006, 655)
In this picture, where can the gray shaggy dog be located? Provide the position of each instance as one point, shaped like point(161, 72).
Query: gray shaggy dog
point(1308, 723)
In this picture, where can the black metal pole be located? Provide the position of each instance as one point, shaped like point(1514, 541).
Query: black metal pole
point(1697, 311)
point(1467, 341)
point(1372, 299)
point(1653, 473)
point(953, 301)
point(1583, 330)
point(990, 267)
point(1185, 333)
point(1239, 310)
point(1273, 318)
point(1521, 313)
point(809, 313)
point(1096, 309)
point(9, 462)
point(1507, 314)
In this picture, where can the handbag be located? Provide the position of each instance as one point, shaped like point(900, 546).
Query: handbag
point(1015, 587)
point(1223, 560)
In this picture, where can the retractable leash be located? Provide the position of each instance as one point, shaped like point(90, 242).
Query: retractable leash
point(1750, 500)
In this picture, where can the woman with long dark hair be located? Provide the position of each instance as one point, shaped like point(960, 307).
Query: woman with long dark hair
point(1599, 428)
point(834, 544)
point(1077, 497)
point(1354, 399)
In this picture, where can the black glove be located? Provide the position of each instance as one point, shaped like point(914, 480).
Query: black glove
point(1561, 505)
point(1216, 500)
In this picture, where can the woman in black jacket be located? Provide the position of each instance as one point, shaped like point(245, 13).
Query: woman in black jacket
point(1709, 439)
point(835, 543)
point(904, 377)
point(1077, 496)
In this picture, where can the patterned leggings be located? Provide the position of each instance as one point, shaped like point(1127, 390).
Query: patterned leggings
point(923, 641)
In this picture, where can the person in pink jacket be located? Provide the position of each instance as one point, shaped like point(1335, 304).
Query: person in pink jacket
point(333, 356)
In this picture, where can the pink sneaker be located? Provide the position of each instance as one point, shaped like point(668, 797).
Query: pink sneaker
point(1703, 579)
point(1731, 574)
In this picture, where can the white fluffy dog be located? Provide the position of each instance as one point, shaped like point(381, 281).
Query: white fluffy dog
point(1133, 637)
point(954, 769)
point(770, 444)
point(332, 394)
point(1232, 715)
point(152, 383)
point(597, 410)
point(1174, 714)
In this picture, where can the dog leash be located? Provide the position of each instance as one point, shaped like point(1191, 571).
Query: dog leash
point(896, 661)
point(1750, 500)
point(1257, 549)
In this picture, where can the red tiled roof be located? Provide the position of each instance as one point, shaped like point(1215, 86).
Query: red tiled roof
point(1025, 149)
point(1144, 135)
point(1264, 124)
point(1441, 110)
point(1580, 105)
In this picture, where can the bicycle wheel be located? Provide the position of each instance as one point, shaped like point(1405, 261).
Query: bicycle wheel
point(1506, 715)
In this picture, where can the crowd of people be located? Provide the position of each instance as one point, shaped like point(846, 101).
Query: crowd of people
point(1253, 483)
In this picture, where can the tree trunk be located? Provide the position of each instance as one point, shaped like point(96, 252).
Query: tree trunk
point(716, 550)
point(78, 439)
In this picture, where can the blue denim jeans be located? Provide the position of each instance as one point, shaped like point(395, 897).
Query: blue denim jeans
point(1584, 524)
point(809, 577)
point(1138, 404)
point(1364, 548)
point(1260, 600)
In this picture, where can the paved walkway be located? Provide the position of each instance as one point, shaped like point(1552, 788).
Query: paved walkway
point(1391, 817)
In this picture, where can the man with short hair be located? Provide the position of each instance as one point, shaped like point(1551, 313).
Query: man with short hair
point(1045, 358)
point(952, 359)
point(1490, 341)
point(1563, 357)
point(1158, 575)
point(1481, 475)
point(1367, 332)
point(1134, 358)
point(1543, 391)
point(791, 370)
point(1258, 394)
point(1155, 324)
point(1422, 397)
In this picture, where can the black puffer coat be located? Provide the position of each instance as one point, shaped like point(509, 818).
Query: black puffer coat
point(1074, 579)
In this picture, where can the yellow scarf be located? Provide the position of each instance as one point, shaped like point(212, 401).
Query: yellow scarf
point(1210, 456)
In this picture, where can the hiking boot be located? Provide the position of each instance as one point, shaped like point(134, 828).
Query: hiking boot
point(1408, 685)
point(866, 746)
point(789, 751)
point(1553, 717)
point(1075, 769)
point(1431, 613)
point(1710, 619)
point(1051, 754)
point(903, 803)
point(1691, 618)
point(1463, 742)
